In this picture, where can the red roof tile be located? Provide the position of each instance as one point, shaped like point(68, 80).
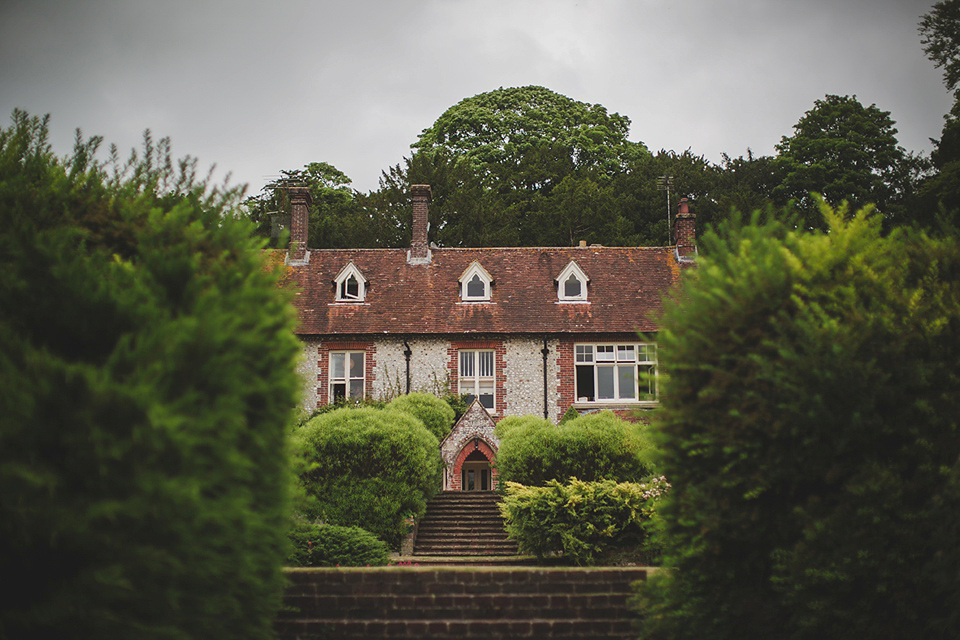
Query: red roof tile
point(624, 293)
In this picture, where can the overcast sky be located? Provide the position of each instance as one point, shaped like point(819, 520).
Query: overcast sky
point(255, 87)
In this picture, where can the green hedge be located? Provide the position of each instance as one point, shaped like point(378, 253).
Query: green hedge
point(809, 427)
point(583, 522)
point(369, 468)
point(592, 447)
point(328, 545)
point(436, 414)
point(147, 361)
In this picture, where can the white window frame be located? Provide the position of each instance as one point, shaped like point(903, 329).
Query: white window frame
point(477, 375)
point(475, 273)
point(350, 271)
point(354, 383)
point(615, 373)
point(572, 270)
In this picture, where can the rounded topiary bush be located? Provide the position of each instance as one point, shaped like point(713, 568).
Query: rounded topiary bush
point(809, 429)
point(147, 362)
point(592, 447)
point(436, 414)
point(369, 468)
point(329, 545)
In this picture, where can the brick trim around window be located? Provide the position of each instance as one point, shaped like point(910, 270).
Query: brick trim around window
point(499, 358)
point(323, 366)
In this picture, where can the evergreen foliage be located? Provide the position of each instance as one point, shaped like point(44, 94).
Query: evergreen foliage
point(592, 447)
point(147, 372)
point(436, 414)
point(329, 545)
point(369, 468)
point(848, 153)
point(809, 430)
point(581, 521)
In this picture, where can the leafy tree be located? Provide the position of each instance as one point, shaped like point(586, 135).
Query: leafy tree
point(846, 152)
point(503, 126)
point(940, 29)
point(809, 429)
point(338, 218)
point(509, 149)
point(464, 211)
point(940, 35)
point(147, 361)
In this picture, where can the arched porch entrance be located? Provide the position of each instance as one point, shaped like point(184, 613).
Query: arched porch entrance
point(473, 469)
point(475, 473)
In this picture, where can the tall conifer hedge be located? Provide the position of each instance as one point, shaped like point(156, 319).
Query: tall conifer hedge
point(809, 429)
point(146, 376)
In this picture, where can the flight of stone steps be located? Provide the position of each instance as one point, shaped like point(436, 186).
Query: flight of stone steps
point(494, 603)
point(460, 523)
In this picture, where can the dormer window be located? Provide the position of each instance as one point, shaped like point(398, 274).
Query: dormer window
point(475, 284)
point(351, 285)
point(572, 284)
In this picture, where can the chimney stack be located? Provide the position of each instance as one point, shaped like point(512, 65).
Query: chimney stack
point(686, 226)
point(299, 215)
point(419, 248)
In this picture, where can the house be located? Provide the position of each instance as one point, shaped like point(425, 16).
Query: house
point(523, 330)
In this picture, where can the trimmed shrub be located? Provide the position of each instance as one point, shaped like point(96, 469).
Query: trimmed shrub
point(147, 360)
point(809, 427)
point(329, 545)
point(592, 447)
point(434, 413)
point(581, 521)
point(369, 468)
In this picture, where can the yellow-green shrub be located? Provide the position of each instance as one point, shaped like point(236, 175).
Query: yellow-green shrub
point(581, 521)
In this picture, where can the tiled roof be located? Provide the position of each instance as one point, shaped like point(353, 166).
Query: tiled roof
point(624, 294)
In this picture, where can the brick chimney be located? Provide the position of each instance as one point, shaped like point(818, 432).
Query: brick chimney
point(299, 216)
point(686, 226)
point(419, 248)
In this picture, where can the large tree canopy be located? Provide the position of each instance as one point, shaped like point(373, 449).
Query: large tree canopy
point(846, 152)
point(504, 126)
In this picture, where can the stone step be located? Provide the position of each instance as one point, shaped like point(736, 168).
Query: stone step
point(463, 524)
point(496, 629)
point(461, 534)
point(455, 602)
point(464, 550)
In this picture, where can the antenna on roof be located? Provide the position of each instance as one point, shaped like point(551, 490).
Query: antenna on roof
point(664, 183)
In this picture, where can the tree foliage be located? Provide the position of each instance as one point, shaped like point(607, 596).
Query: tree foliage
point(505, 126)
point(809, 429)
point(147, 362)
point(940, 30)
point(845, 152)
point(940, 36)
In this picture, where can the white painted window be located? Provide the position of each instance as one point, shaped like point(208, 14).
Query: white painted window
point(477, 378)
point(351, 285)
point(616, 372)
point(572, 284)
point(475, 284)
point(346, 375)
